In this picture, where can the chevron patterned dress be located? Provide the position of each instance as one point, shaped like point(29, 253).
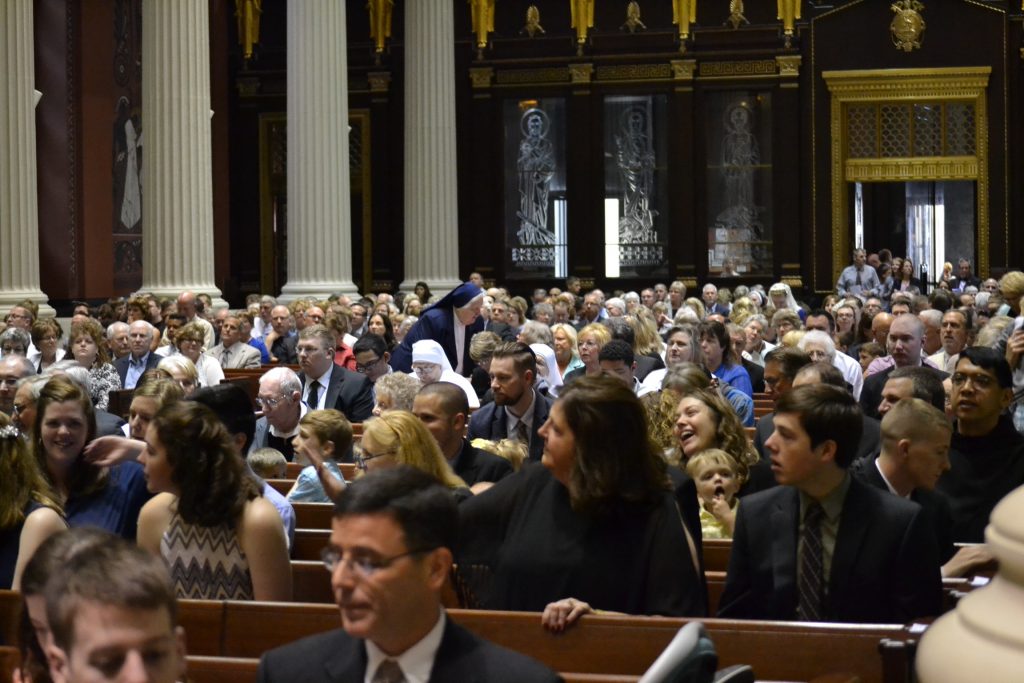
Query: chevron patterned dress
point(206, 563)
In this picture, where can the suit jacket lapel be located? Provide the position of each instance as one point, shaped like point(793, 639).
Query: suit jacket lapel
point(333, 387)
point(785, 525)
point(853, 529)
point(347, 662)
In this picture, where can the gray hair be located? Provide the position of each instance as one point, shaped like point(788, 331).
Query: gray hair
point(818, 337)
point(537, 333)
point(931, 317)
point(73, 371)
point(17, 335)
point(114, 328)
point(26, 365)
point(757, 318)
point(267, 299)
point(631, 296)
point(400, 387)
point(35, 385)
point(143, 323)
point(543, 307)
point(285, 377)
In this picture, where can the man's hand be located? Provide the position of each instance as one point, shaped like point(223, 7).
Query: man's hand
point(558, 615)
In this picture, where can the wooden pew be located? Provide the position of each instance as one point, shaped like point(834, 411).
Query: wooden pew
point(311, 582)
point(716, 554)
point(611, 645)
point(10, 617)
point(313, 515)
point(309, 542)
point(120, 402)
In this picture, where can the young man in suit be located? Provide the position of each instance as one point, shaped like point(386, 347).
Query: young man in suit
point(823, 546)
point(518, 409)
point(327, 385)
point(389, 557)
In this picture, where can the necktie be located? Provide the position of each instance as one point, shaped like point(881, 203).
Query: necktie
point(389, 672)
point(859, 284)
point(225, 357)
point(314, 395)
point(522, 434)
point(810, 581)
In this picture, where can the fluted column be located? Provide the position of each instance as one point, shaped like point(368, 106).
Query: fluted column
point(177, 179)
point(19, 208)
point(431, 207)
point(319, 206)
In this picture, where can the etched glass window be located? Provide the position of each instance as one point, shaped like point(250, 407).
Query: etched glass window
point(535, 208)
point(739, 183)
point(635, 186)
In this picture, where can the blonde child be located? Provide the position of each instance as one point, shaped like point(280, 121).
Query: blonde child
point(716, 474)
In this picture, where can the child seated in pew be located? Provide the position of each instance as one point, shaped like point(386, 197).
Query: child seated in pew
point(323, 439)
point(268, 463)
point(717, 476)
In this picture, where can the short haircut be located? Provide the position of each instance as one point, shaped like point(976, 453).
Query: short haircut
point(371, 342)
point(931, 317)
point(181, 363)
point(991, 360)
point(233, 406)
point(790, 360)
point(535, 332)
point(522, 356)
point(424, 509)
point(616, 350)
point(25, 367)
point(44, 325)
point(481, 346)
point(453, 398)
point(330, 425)
point(926, 385)
point(192, 331)
point(620, 329)
point(826, 373)
point(114, 573)
point(912, 418)
point(713, 457)
point(17, 336)
point(399, 387)
point(821, 312)
point(818, 337)
point(786, 315)
point(826, 413)
point(285, 377)
point(268, 463)
point(320, 333)
point(601, 334)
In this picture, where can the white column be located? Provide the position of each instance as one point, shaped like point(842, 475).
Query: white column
point(319, 206)
point(19, 202)
point(177, 176)
point(431, 207)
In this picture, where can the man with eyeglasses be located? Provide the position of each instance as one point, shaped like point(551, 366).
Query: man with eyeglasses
point(325, 384)
point(279, 398)
point(371, 352)
point(12, 369)
point(986, 454)
point(390, 556)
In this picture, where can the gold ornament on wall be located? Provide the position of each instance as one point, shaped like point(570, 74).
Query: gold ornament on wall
point(248, 12)
point(482, 16)
point(633, 18)
point(736, 17)
point(582, 21)
point(684, 13)
point(533, 26)
point(789, 12)
point(908, 24)
point(380, 23)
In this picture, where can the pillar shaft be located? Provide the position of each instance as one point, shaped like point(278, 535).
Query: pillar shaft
point(177, 179)
point(19, 208)
point(431, 199)
point(319, 205)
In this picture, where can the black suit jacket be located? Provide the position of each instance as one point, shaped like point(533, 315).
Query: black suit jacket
point(335, 657)
point(934, 503)
point(871, 393)
point(870, 436)
point(885, 568)
point(473, 465)
point(756, 373)
point(349, 392)
point(108, 424)
point(491, 422)
point(122, 365)
point(284, 349)
point(503, 330)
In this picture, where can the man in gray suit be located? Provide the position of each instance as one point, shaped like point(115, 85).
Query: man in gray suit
point(279, 399)
point(232, 353)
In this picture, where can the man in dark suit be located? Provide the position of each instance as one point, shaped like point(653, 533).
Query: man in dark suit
point(279, 342)
point(443, 409)
point(497, 323)
point(823, 546)
point(135, 364)
point(390, 556)
point(518, 410)
point(451, 322)
point(326, 385)
point(906, 337)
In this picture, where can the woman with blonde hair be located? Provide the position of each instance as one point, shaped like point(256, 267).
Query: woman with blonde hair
point(742, 310)
point(567, 354)
point(29, 512)
point(646, 340)
point(89, 349)
point(398, 437)
point(590, 340)
point(182, 371)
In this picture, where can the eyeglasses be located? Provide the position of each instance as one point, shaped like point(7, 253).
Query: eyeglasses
point(366, 367)
point(16, 350)
point(980, 382)
point(364, 566)
point(270, 402)
point(18, 409)
point(366, 457)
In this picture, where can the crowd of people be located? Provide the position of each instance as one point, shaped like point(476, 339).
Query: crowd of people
point(569, 452)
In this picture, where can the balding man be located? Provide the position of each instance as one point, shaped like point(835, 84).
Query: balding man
point(117, 340)
point(187, 307)
point(443, 409)
point(135, 364)
point(919, 382)
point(905, 338)
point(279, 399)
point(12, 369)
point(932, 341)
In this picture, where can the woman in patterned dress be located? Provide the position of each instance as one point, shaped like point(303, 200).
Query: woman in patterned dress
point(220, 538)
point(90, 351)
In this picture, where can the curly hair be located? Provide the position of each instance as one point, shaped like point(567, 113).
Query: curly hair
point(93, 329)
point(84, 478)
point(212, 480)
point(192, 331)
point(403, 434)
point(399, 387)
point(616, 460)
point(730, 435)
point(44, 325)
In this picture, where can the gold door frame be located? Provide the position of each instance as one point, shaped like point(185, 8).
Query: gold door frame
point(907, 86)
